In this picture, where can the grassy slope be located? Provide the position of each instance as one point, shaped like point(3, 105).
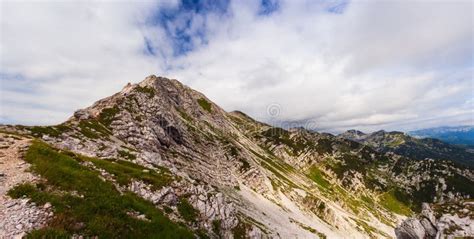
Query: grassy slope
point(100, 210)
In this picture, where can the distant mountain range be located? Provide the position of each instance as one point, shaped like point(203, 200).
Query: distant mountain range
point(459, 135)
point(412, 147)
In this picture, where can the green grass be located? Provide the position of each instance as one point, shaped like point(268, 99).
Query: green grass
point(184, 115)
point(54, 131)
point(369, 229)
point(324, 146)
point(367, 199)
point(280, 136)
point(146, 90)
point(240, 231)
point(350, 201)
point(107, 116)
point(312, 230)
point(126, 154)
point(395, 142)
point(390, 202)
point(205, 105)
point(48, 233)
point(187, 211)
point(125, 171)
point(93, 129)
point(216, 227)
point(318, 177)
point(39, 131)
point(277, 167)
point(102, 210)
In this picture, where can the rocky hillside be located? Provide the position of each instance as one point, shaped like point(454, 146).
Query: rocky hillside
point(415, 148)
point(159, 159)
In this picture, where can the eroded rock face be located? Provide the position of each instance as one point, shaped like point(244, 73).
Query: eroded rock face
point(214, 206)
point(294, 183)
point(411, 229)
point(166, 195)
point(427, 226)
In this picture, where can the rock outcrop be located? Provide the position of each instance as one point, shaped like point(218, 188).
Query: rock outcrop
point(225, 175)
point(427, 226)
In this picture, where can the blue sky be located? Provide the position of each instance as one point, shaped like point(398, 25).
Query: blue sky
point(329, 65)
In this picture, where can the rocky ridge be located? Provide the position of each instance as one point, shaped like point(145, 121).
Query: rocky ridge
point(225, 175)
point(415, 148)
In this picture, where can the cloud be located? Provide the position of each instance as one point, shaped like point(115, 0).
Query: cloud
point(372, 65)
point(61, 56)
point(337, 64)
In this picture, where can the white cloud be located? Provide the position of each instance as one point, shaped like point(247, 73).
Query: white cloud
point(67, 55)
point(390, 64)
point(377, 65)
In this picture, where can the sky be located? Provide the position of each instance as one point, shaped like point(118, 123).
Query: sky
point(325, 65)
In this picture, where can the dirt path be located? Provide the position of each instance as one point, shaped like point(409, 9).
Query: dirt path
point(12, 167)
point(17, 216)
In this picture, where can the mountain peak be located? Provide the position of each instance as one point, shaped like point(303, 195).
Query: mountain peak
point(353, 134)
point(153, 80)
point(230, 171)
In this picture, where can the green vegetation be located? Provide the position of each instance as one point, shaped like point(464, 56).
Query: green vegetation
point(146, 90)
point(93, 129)
point(108, 115)
point(127, 155)
point(458, 183)
point(184, 115)
point(308, 228)
point(349, 162)
point(280, 136)
point(318, 177)
point(390, 202)
point(369, 229)
point(100, 210)
point(187, 211)
point(396, 142)
point(205, 105)
point(167, 209)
point(367, 200)
point(39, 131)
point(277, 167)
point(54, 131)
point(324, 146)
point(245, 165)
point(353, 203)
point(234, 151)
point(125, 171)
point(48, 233)
point(216, 227)
point(240, 231)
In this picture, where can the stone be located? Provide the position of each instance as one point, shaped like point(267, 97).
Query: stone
point(20, 235)
point(410, 229)
point(47, 205)
point(430, 229)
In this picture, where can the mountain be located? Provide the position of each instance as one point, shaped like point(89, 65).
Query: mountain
point(415, 148)
point(459, 135)
point(160, 160)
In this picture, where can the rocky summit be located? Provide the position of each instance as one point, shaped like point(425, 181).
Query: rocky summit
point(160, 160)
